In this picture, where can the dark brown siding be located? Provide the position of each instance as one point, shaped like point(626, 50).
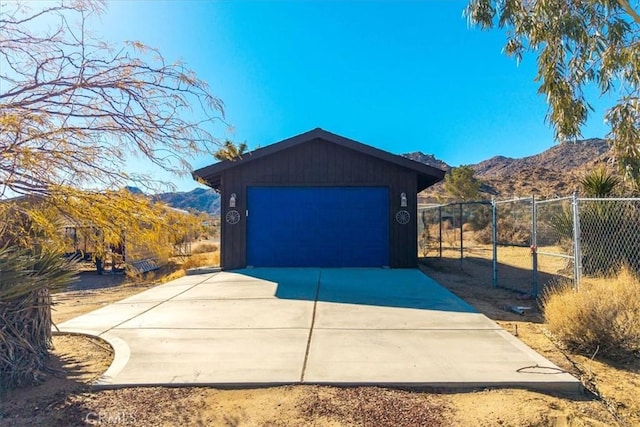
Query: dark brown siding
point(320, 163)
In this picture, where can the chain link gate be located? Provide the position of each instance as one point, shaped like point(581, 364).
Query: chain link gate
point(554, 240)
point(459, 236)
point(513, 260)
point(529, 243)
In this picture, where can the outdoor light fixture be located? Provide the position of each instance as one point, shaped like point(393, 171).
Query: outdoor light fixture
point(232, 200)
point(403, 200)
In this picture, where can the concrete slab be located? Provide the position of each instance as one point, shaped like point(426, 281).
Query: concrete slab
point(223, 357)
point(231, 289)
point(226, 314)
point(292, 283)
point(438, 358)
point(366, 317)
point(406, 288)
point(327, 326)
point(106, 318)
point(159, 294)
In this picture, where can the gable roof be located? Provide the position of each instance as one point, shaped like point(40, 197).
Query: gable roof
point(427, 175)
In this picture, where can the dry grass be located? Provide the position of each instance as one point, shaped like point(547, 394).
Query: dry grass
point(178, 267)
point(206, 259)
point(603, 317)
point(204, 247)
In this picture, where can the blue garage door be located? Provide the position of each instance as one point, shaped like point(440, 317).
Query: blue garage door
point(318, 227)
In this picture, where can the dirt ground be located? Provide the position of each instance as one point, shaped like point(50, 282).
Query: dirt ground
point(66, 398)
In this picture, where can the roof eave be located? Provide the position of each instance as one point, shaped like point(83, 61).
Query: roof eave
point(211, 174)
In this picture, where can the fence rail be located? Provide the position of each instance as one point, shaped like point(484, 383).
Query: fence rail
point(523, 244)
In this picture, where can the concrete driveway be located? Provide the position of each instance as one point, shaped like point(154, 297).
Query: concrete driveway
point(319, 326)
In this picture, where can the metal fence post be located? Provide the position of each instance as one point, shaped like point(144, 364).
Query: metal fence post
point(577, 250)
point(534, 245)
point(440, 231)
point(494, 241)
point(461, 240)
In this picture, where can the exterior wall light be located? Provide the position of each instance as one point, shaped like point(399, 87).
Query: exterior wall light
point(232, 200)
point(403, 200)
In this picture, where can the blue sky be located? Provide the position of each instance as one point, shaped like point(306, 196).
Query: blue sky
point(398, 75)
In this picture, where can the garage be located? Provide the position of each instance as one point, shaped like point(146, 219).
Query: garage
point(318, 227)
point(318, 200)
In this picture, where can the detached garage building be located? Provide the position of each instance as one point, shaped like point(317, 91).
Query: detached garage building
point(319, 200)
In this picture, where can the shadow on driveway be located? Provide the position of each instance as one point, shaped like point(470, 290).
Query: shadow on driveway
point(408, 288)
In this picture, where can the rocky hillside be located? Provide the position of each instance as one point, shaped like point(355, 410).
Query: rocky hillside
point(201, 199)
point(427, 159)
point(554, 172)
point(561, 157)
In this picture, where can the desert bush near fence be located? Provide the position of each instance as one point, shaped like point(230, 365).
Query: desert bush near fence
point(609, 235)
point(601, 318)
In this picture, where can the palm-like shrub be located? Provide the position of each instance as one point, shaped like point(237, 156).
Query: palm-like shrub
point(600, 183)
point(26, 282)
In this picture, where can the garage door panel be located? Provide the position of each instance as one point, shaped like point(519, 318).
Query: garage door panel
point(318, 226)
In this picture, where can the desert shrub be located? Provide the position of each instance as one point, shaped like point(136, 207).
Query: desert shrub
point(484, 236)
point(509, 232)
point(207, 259)
point(27, 279)
point(204, 248)
point(424, 242)
point(512, 232)
point(609, 236)
point(480, 217)
point(602, 317)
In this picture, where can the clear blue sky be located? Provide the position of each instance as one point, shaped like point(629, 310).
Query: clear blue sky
point(398, 75)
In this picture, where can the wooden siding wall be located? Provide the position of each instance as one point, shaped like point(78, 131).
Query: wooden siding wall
point(320, 163)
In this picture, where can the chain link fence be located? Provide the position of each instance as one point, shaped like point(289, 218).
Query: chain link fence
point(554, 240)
point(524, 244)
point(458, 234)
point(609, 236)
point(513, 266)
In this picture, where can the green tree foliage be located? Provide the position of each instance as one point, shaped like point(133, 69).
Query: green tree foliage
point(230, 151)
point(578, 44)
point(460, 184)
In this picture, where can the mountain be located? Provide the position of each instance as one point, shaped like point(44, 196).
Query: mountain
point(201, 199)
point(561, 157)
point(427, 159)
point(554, 172)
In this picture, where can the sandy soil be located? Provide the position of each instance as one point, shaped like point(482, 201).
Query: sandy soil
point(66, 398)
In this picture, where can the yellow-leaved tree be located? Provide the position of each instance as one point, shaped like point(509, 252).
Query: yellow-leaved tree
point(73, 111)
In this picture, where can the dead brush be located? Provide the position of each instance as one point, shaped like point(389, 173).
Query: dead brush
point(204, 248)
point(602, 317)
point(207, 259)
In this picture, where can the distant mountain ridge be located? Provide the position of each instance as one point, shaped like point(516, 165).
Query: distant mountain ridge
point(554, 172)
point(201, 199)
point(561, 157)
point(427, 159)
